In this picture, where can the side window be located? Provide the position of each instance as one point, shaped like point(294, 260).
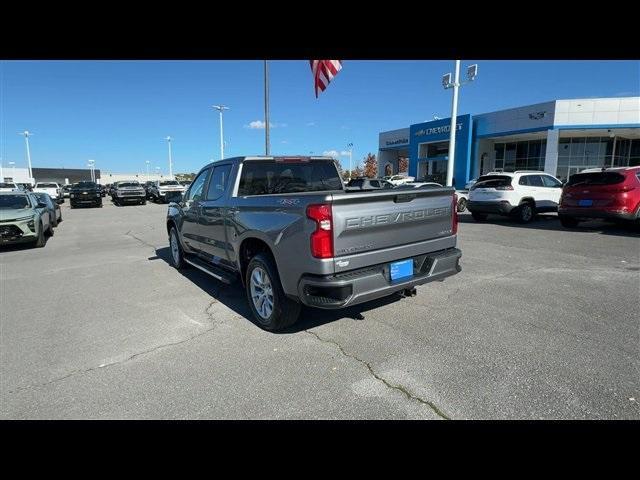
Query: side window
point(524, 180)
point(550, 182)
point(535, 181)
point(375, 184)
point(195, 191)
point(219, 182)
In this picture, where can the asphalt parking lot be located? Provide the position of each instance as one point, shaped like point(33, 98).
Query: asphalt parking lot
point(542, 323)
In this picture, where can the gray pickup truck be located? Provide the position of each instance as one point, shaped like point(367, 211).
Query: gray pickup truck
point(290, 232)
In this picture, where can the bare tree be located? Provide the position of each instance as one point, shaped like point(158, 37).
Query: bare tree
point(370, 166)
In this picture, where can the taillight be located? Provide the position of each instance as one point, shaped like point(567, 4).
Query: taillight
point(454, 216)
point(505, 187)
point(322, 237)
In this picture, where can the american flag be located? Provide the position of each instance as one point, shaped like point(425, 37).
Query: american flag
point(323, 72)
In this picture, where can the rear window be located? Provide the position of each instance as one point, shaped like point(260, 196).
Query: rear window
point(128, 184)
point(46, 185)
point(356, 183)
point(167, 183)
point(492, 181)
point(271, 177)
point(8, 185)
point(595, 178)
point(85, 185)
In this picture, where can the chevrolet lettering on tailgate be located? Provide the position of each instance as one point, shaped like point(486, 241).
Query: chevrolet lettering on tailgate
point(399, 217)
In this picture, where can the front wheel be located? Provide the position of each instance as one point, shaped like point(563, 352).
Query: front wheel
point(40, 241)
point(177, 254)
point(270, 306)
point(143, 202)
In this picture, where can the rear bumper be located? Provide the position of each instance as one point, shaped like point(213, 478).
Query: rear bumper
point(502, 207)
point(365, 284)
point(597, 213)
point(85, 201)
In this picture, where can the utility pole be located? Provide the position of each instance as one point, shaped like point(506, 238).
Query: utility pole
point(350, 145)
point(147, 162)
point(266, 109)
point(168, 139)
point(472, 72)
point(220, 108)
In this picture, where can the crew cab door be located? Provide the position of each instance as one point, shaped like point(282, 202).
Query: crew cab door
point(190, 211)
point(212, 226)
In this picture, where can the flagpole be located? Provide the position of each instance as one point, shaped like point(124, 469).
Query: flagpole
point(266, 108)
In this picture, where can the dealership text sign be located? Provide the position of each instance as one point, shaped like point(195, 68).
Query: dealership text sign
point(436, 130)
point(400, 141)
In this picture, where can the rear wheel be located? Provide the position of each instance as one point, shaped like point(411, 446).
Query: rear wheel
point(54, 222)
point(143, 202)
point(525, 213)
point(462, 204)
point(479, 217)
point(568, 222)
point(270, 306)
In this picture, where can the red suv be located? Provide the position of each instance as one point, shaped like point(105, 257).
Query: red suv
point(610, 193)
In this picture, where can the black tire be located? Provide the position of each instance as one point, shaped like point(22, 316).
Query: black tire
point(41, 240)
point(60, 218)
point(568, 222)
point(54, 222)
point(525, 212)
point(285, 312)
point(49, 231)
point(462, 204)
point(72, 206)
point(177, 256)
point(143, 202)
point(479, 217)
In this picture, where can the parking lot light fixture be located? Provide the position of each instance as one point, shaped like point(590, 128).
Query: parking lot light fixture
point(26, 135)
point(168, 139)
point(220, 109)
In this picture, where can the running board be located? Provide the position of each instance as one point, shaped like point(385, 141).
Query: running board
point(216, 273)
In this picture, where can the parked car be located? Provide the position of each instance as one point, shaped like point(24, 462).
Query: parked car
point(111, 189)
point(185, 183)
point(128, 192)
point(286, 227)
point(50, 188)
point(103, 190)
point(85, 193)
point(8, 187)
point(521, 194)
point(609, 194)
point(164, 190)
point(55, 212)
point(365, 183)
point(23, 219)
point(399, 179)
point(27, 187)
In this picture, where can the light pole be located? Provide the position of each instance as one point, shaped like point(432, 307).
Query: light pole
point(28, 134)
point(350, 145)
point(91, 165)
point(158, 172)
point(168, 139)
point(472, 72)
point(220, 108)
point(147, 162)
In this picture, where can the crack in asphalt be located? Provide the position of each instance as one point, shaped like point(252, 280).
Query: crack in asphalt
point(214, 325)
point(129, 234)
point(399, 388)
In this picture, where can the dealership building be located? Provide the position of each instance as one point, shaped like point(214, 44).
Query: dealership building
point(560, 137)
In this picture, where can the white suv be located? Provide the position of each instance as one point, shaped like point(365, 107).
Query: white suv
point(399, 179)
point(521, 194)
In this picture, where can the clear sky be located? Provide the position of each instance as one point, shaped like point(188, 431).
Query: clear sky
point(119, 112)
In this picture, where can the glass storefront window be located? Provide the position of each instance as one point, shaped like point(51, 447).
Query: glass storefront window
point(577, 147)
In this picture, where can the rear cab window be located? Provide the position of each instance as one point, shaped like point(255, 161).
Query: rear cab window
point(266, 177)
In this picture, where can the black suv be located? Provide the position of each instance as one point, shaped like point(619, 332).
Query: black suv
point(85, 193)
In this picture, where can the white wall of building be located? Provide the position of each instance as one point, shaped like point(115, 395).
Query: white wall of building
point(110, 177)
point(19, 175)
point(598, 111)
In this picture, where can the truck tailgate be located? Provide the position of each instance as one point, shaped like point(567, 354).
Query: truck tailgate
point(371, 221)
